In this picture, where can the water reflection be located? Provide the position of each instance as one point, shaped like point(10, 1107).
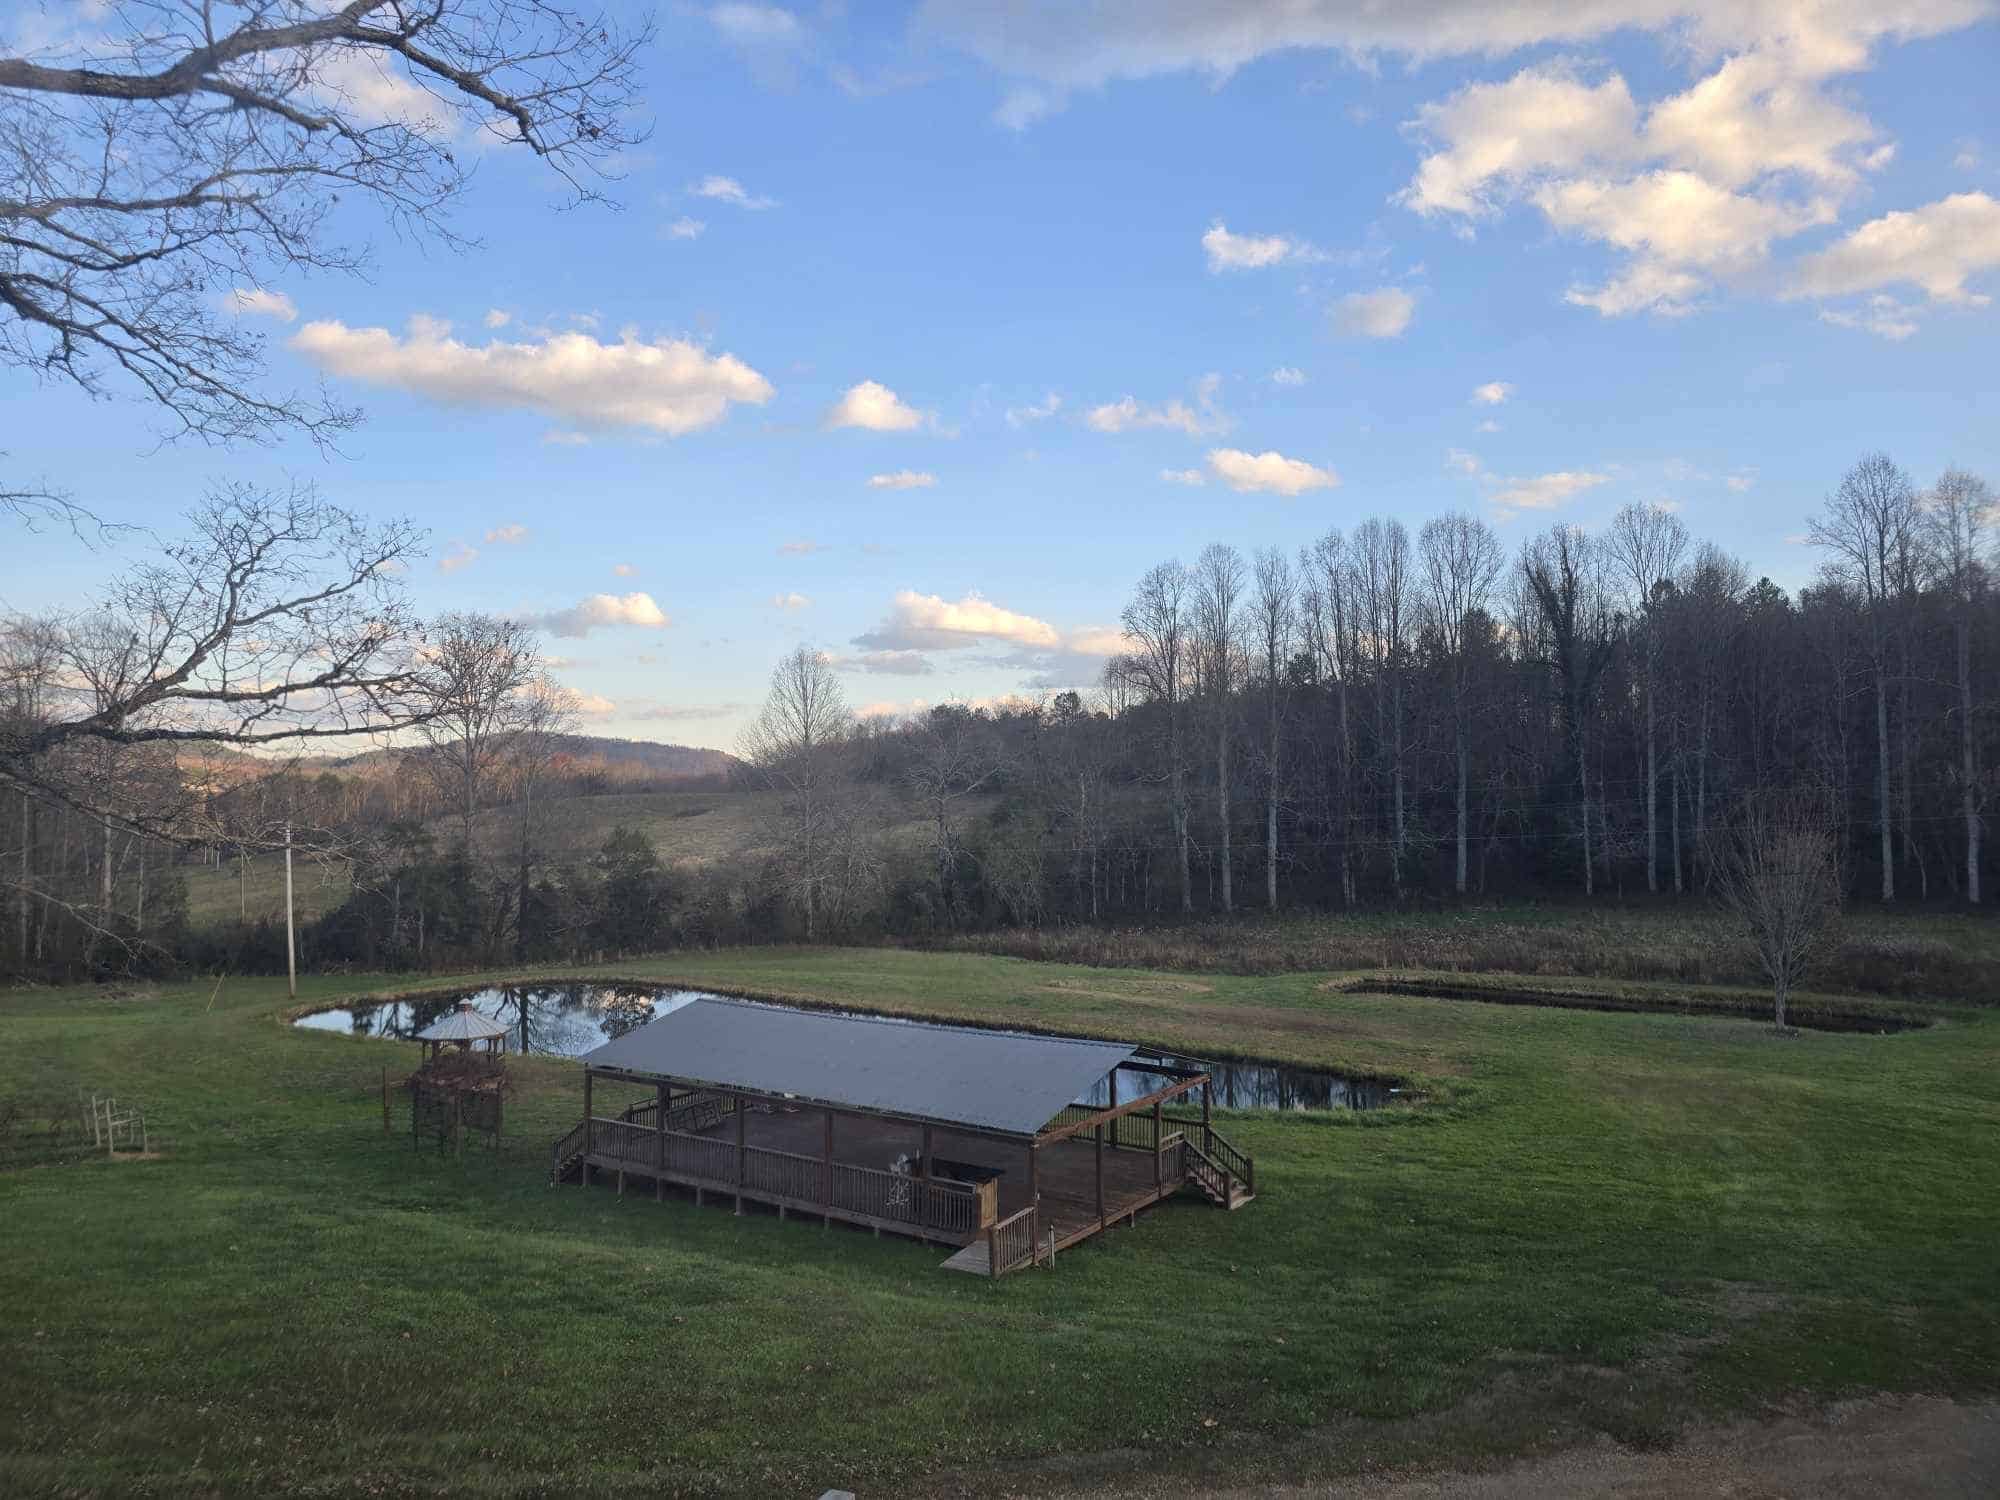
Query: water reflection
point(553, 1020)
point(1241, 1085)
point(568, 1020)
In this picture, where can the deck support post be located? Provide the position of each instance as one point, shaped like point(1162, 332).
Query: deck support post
point(742, 1160)
point(924, 1155)
point(1158, 1171)
point(663, 1096)
point(1100, 1180)
point(1034, 1185)
point(826, 1175)
point(588, 1143)
point(1206, 1090)
point(1111, 1078)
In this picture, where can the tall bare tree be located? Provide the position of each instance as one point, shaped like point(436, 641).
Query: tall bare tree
point(1564, 574)
point(173, 155)
point(1645, 543)
point(1956, 515)
point(955, 758)
point(1218, 592)
point(1776, 867)
point(1868, 525)
point(1461, 558)
point(1274, 616)
point(1160, 622)
point(793, 746)
point(1383, 588)
point(479, 677)
point(1328, 605)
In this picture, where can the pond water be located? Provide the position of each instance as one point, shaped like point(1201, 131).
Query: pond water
point(572, 1019)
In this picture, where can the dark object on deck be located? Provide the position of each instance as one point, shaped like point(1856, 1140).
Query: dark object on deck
point(747, 1097)
point(462, 1082)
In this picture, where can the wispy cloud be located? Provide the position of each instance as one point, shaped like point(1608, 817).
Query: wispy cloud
point(601, 611)
point(729, 190)
point(902, 479)
point(1128, 414)
point(1268, 473)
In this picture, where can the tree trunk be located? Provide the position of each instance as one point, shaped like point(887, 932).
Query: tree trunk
point(1970, 769)
point(1463, 767)
point(1652, 794)
point(1885, 809)
point(1222, 809)
point(1674, 830)
point(1396, 776)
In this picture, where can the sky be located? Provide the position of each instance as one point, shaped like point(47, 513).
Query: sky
point(918, 333)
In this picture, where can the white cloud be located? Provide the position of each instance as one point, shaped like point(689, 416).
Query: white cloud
point(1967, 157)
point(1251, 252)
point(1034, 411)
point(1023, 107)
point(1288, 375)
point(1468, 464)
point(789, 601)
point(603, 610)
point(557, 438)
point(1129, 414)
point(255, 302)
point(1742, 482)
point(366, 83)
point(1547, 491)
point(928, 622)
point(1495, 136)
point(498, 317)
point(1881, 315)
point(623, 570)
point(1098, 640)
point(593, 705)
point(457, 556)
point(729, 190)
point(757, 25)
point(1268, 473)
point(1934, 248)
point(1183, 476)
point(686, 228)
point(1493, 393)
point(511, 534)
point(901, 662)
point(675, 712)
point(1489, 425)
point(873, 406)
point(902, 479)
point(803, 548)
point(1381, 314)
point(1761, 113)
point(670, 386)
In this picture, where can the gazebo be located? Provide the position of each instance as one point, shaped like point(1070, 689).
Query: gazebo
point(960, 1136)
point(462, 1079)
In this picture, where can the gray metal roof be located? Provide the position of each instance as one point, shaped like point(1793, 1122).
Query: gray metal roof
point(992, 1080)
point(462, 1025)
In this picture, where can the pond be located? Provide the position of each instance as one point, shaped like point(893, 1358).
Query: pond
point(569, 1020)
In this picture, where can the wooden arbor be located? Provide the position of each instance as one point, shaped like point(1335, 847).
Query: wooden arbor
point(462, 1082)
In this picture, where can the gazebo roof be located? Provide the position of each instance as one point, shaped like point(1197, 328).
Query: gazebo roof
point(463, 1025)
point(1002, 1081)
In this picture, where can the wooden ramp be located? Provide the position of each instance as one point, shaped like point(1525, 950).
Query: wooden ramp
point(972, 1258)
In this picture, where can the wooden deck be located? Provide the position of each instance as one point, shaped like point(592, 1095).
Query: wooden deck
point(785, 1165)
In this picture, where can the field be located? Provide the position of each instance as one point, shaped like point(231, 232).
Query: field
point(690, 830)
point(1592, 1224)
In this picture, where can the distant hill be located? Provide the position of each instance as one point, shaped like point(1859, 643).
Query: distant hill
point(663, 760)
point(222, 766)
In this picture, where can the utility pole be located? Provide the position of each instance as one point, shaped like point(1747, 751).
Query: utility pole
point(291, 945)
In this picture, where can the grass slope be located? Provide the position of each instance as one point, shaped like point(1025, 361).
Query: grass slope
point(1602, 1223)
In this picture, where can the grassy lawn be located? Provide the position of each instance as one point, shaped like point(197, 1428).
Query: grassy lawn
point(1597, 1224)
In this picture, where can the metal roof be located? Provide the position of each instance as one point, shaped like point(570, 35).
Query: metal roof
point(992, 1080)
point(463, 1025)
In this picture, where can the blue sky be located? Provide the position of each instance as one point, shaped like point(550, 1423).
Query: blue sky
point(1705, 257)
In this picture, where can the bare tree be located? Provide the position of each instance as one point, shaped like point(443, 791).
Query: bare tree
point(1645, 543)
point(479, 677)
point(546, 718)
point(1274, 614)
point(1218, 588)
point(1776, 867)
point(1955, 517)
point(1563, 573)
point(955, 757)
point(1159, 622)
point(1868, 525)
point(792, 745)
point(1461, 558)
point(177, 153)
point(1329, 609)
point(1380, 560)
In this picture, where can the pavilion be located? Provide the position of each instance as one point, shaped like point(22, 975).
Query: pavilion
point(950, 1134)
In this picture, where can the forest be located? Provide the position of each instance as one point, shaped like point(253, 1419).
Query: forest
point(1380, 719)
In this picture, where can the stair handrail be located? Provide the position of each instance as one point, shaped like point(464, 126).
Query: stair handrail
point(1237, 1163)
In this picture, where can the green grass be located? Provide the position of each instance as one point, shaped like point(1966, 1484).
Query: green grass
point(1599, 1224)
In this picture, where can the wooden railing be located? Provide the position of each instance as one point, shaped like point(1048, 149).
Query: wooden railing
point(1231, 1160)
point(693, 1113)
point(1204, 1171)
point(950, 1210)
point(1012, 1241)
point(566, 1147)
point(1133, 1131)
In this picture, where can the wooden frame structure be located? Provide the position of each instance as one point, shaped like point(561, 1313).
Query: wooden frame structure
point(1005, 1200)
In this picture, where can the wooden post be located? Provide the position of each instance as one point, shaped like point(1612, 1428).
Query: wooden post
point(385, 1101)
point(1157, 1170)
point(588, 1113)
point(663, 1096)
point(1206, 1143)
point(291, 944)
point(742, 1159)
point(1111, 1078)
point(1100, 1179)
point(826, 1174)
point(1034, 1186)
point(924, 1156)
